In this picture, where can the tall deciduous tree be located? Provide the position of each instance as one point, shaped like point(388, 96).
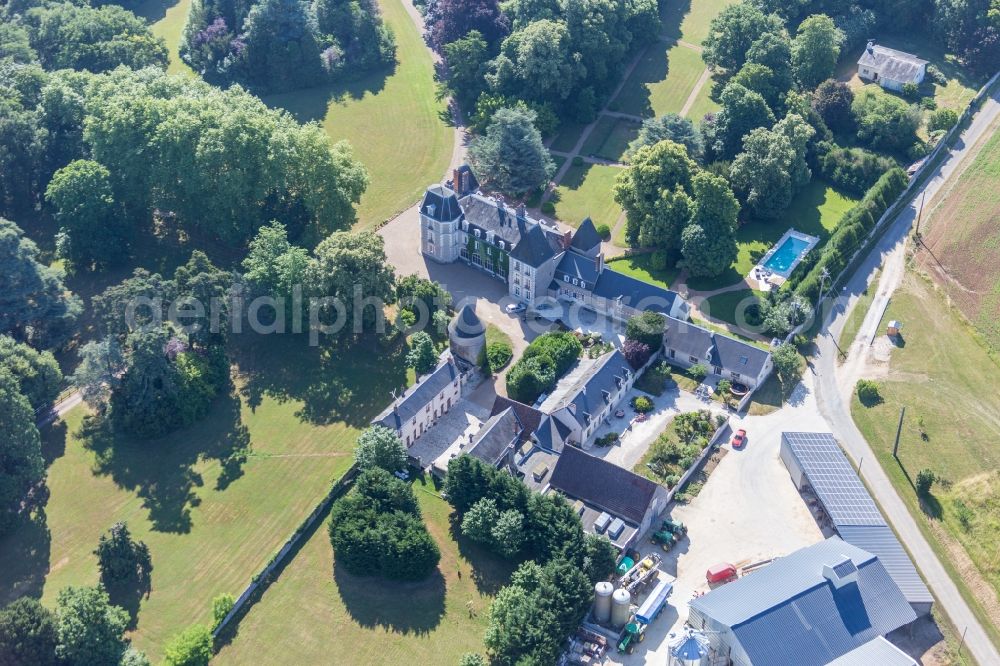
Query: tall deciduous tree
point(467, 59)
point(511, 156)
point(743, 110)
point(422, 357)
point(449, 20)
point(774, 51)
point(708, 243)
point(733, 31)
point(815, 50)
point(37, 373)
point(670, 127)
point(537, 62)
point(379, 447)
point(91, 629)
point(28, 634)
point(832, 101)
point(191, 647)
point(761, 174)
point(35, 306)
point(653, 171)
point(93, 227)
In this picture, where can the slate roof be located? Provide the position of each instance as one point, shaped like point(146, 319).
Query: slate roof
point(551, 433)
point(892, 64)
point(467, 324)
point(714, 348)
point(441, 203)
point(853, 512)
point(611, 488)
point(577, 266)
point(534, 248)
point(499, 432)
point(586, 237)
point(789, 613)
point(417, 396)
point(593, 391)
point(527, 416)
point(487, 215)
point(876, 651)
point(635, 293)
point(468, 181)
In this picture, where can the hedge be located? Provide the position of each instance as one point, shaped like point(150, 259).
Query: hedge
point(852, 230)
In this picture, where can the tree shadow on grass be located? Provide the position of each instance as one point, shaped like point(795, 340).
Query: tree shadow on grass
point(129, 594)
point(653, 67)
point(672, 16)
point(309, 104)
point(403, 608)
point(490, 572)
point(336, 382)
point(25, 554)
point(161, 472)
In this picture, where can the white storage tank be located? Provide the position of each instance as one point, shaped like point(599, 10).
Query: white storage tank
point(602, 601)
point(621, 602)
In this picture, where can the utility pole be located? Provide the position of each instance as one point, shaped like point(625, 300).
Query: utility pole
point(920, 214)
point(899, 430)
point(860, 463)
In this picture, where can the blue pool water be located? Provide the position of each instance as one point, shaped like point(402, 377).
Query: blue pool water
point(783, 258)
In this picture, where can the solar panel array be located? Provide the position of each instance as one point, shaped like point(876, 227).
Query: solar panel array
point(833, 479)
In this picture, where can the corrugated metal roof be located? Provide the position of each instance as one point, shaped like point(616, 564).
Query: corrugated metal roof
point(789, 613)
point(854, 513)
point(880, 540)
point(878, 651)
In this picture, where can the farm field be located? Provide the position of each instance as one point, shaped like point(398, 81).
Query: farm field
point(961, 236)
point(945, 379)
point(661, 82)
point(317, 613)
point(816, 210)
point(585, 191)
point(208, 532)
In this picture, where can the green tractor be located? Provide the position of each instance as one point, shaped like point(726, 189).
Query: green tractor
point(665, 538)
point(675, 527)
point(634, 632)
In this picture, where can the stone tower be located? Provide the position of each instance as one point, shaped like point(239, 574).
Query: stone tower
point(467, 335)
point(440, 215)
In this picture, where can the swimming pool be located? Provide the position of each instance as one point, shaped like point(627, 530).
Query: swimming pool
point(787, 255)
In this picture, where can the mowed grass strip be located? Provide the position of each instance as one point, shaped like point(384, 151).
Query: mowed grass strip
point(392, 119)
point(815, 210)
point(946, 381)
point(639, 267)
point(661, 82)
point(168, 21)
point(690, 19)
point(207, 535)
point(585, 191)
point(316, 613)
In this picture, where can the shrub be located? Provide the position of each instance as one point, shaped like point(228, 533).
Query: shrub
point(698, 371)
point(636, 353)
point(925, 479)
point(724, 388)
point(788, 365)
point(936, 75)
point(192, 647)
point(642, 404)
point(928, 103)
point(498, 354)
point(854, 170)
point(221, 606)
point(942, 119)
point(604, 231)
point(647, 328)
point(659, 260)
point(548, 208)
point(911, 90)
point(964, 514)
point(563, 349)
point(868, 392)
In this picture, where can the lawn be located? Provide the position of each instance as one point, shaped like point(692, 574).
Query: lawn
point(857, 316)
point(317, 613)
point(638, 267)
point(727, 305)
point(661, 82)
point(585, 191)
point(167, 22)
point(703, 102)
point(565, 140)
point(299, 408)
point(393, 120)
point(690, 23)
point(815, 210)
point(610, 138)
point(946, 381)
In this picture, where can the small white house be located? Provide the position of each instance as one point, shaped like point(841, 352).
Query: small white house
point(890, 68)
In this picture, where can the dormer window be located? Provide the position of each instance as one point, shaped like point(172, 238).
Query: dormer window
point(489, 236)
point(478, 233)
point(575, 282)
point(430, 209)
point(565, 278)
point(744, 360)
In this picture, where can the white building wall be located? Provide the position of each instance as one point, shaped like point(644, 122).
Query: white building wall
point(437, 407)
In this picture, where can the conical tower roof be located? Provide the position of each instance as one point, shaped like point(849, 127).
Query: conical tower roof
point(586, 237)
point(467, 324)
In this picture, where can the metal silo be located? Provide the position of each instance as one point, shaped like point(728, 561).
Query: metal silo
point(689, 649)
point(621, 602)
point(602, 601)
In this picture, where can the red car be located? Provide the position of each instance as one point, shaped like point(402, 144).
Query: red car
point(739, 439)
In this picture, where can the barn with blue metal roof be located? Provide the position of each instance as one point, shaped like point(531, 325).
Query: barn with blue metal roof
point(807, 608)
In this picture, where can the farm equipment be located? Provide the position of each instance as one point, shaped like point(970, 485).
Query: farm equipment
point(644, 571)
point(675, 527)
point(665, 538)
point(626, 564)
point(634, 632)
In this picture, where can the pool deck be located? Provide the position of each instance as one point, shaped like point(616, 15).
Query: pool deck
point(767, 279)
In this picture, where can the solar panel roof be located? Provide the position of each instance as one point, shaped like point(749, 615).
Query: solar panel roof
point(833, 479)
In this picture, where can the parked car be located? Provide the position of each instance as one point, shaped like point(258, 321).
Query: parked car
point(620, 414)
point(515, 308)
point(723, 572)
point(739, 439)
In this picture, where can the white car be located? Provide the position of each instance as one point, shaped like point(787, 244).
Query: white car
point(515, 308)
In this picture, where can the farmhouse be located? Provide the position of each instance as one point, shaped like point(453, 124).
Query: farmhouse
point(686, 345)
point(890, 68)
point(534, 258)
point(825, 602)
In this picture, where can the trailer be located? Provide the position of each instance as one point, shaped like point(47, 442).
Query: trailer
point(655, 602)
point(644, 571)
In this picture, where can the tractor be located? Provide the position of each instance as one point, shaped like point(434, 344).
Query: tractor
point(675, 527)
point(634, 632)
point(665, 538)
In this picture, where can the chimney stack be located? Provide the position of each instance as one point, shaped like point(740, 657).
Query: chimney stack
point(871, 45)
point(521, 211)
point(456, 179)
point(599, 262)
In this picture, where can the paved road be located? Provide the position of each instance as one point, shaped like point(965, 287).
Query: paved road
point(833, 387)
